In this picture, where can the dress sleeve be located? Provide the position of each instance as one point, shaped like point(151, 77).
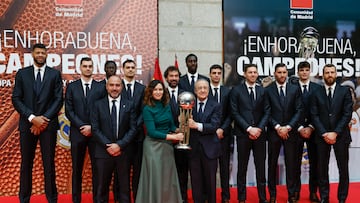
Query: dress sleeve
point(149, 121)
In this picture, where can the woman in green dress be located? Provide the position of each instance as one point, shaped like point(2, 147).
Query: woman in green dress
point(158, 178)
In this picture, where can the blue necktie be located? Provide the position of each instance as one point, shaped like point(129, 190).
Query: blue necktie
point(329, 95)
point(192, 82)
point(252, 95)
point(282, 96)
point(200, 112)
point(129, 91)
point(216, 94)
point(87, 89)
point(38, 83)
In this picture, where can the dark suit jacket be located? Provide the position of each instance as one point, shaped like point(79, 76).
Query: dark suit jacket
point(334, 117)
point(289, 114)
point(207, 138)
point(224, 101)
point(102, 130)
point(49, 102)
point(77, 107)
point(246, 114)
point(137, 100)
point(184, 82)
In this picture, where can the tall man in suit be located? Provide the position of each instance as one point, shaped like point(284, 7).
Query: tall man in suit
point(220, 94)
point(188, 80)
point(286, 110)
point(306, 132)
point(250, 110)
point(79, 100)
point(331, 110)
point(37, 96)
point(206, 146)
point(135, 93)
point(113, 123)
point(172, 76)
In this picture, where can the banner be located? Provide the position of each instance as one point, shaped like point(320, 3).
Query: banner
point(71, 29)
point(269, 32)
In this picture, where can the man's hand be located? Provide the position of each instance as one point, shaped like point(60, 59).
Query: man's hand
point(113, 149)
point(306, 132)
point(220, 133)
point(254, 133)
point(192, 124)
point(35, 130)
point(283, 132)
point(330, 137)
point(40, 122)
point(86, 130)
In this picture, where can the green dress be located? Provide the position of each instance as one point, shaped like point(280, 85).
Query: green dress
point(158, 177)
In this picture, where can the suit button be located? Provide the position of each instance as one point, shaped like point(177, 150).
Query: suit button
point(330, 114)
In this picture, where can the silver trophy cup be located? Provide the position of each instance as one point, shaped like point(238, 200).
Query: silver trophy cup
point(186, 102)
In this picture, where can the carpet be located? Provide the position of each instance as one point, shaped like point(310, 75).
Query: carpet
point(353, 197)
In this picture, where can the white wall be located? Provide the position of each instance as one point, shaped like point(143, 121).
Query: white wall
point(190, 26)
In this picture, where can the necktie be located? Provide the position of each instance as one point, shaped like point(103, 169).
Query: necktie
point(114, 118)
point(305, 91)
point(38, 83)
point(173, 96)
point(252, 95)
point(129, 91)
point(192, 82)
point(87, 89)
point(200, 112)
point(329, 95)
point(282, 96)
point(216, 95)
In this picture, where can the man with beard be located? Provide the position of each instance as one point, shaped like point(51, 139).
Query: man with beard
point(331, 110)
point(286, 110)
point(188, 80)
point(38, 97)
point(79, 100)
point(172, 76)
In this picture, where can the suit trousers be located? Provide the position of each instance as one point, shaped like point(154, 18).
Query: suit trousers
point(28, 143)
point(244, 146)
point(290, 152)
point(341, 151)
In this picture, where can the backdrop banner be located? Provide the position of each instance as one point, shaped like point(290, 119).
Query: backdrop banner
point(71, 29)
point(269, 32)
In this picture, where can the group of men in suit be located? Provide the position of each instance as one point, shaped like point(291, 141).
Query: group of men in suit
point(106, 119)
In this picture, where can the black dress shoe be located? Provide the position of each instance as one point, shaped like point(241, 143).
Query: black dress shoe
point(314, 198)
point(324, 201)
point(341, 201)
point(292, 200)
point(297, 195)
point(272, 199)
point(263, 201)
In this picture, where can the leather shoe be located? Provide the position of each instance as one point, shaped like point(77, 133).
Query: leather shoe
point(242, 201)
point(341, 201)
point(314, 198)
point(324, 201)
point(292, 200)
point(272, 199)
point(297, 195)
point(225, 201)
point(263, 201)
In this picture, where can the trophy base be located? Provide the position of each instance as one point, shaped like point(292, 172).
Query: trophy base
point(182, 146)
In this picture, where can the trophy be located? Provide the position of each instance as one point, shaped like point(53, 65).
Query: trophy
point(308, 42)
point(186, 102)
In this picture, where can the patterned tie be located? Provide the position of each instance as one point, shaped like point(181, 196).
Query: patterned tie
point(87, 89)
point(282, 96)
point(114, 118)
point(38, 83)
point(129, 91)
point(216, 95)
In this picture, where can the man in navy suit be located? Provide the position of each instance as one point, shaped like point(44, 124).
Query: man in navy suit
point(220, 94)
point(113, 123)
point(172, 76)
point(188, 80)
point(286, 111)
point(250, 110)
point(206, 146)
point(134, 91)
point(37, 96)
point(79, 100)
point(331, 111)
point(306, 132)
